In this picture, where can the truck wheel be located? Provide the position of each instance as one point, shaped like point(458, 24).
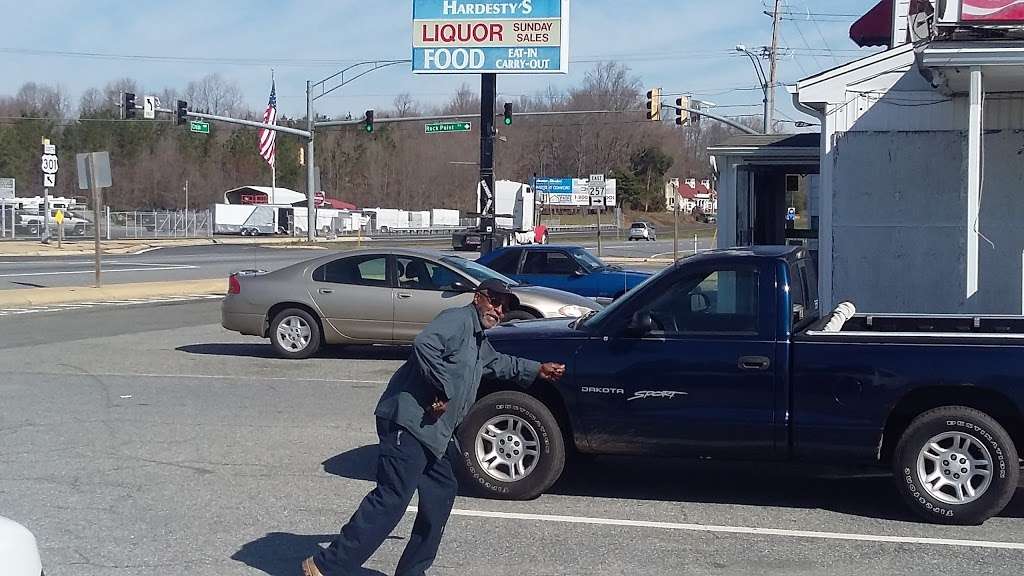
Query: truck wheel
point(512, 447)
point(956, 465)
point(295, 334)
point(518, 315)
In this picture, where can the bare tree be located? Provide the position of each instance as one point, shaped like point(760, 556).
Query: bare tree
point(214, 95)
point(405, 106)
point(465, 101)
point(609, 86)
point(41, 100)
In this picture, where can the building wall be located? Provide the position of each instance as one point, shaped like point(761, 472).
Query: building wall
point(899, 228)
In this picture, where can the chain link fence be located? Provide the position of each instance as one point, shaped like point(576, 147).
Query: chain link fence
point(18, 224)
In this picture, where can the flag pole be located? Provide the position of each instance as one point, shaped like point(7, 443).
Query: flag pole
point(273, 167)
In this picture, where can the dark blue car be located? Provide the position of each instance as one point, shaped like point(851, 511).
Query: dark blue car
point(569, 268)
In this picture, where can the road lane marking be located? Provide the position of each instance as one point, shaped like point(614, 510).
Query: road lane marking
point(873, 538)
point(197, 376)
point(75, 306)
point(62, 272)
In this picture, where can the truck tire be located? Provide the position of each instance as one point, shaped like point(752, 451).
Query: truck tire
point(512, 447)
point(956, 465)
point(295, 334)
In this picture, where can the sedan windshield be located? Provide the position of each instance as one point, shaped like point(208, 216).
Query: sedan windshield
point(477, 271)
point(588, 260)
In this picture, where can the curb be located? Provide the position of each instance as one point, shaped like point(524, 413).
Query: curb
point(129, 247)
point(70, 295)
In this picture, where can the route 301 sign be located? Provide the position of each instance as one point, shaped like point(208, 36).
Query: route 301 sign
point(49, 164)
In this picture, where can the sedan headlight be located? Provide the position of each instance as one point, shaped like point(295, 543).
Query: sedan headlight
point(574, 311)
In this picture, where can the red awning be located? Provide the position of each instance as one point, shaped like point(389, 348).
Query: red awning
point(875, 27)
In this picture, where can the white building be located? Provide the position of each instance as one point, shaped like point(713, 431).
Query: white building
point(918, 199)
point(690, 195)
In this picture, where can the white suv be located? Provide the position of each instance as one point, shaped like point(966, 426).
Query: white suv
point(642, 231)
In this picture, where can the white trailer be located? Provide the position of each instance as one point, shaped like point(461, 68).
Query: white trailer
point(440, 217)
point(516, 208)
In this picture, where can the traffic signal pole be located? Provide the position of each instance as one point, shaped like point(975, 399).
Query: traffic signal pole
point(488, 94)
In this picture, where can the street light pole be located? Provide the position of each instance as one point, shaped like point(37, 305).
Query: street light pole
point(762, 78)
point(310, 169)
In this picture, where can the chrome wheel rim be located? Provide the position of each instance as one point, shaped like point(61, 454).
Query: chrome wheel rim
point(955, 468)
point(294, 334)
point(507, 448)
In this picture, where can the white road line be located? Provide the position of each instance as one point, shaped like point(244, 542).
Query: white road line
point(150, 249)
point(196, 377)
point(62, 272)
point(740, 530)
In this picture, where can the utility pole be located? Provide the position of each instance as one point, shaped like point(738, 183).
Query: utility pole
point(310, 169)
point(773, 69)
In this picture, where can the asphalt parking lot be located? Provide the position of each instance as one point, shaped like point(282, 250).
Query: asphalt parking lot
point(147, 440)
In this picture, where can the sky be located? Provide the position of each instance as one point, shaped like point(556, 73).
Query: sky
point(682, 46)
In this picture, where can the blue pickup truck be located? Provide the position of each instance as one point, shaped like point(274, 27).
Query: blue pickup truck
point(725, 355)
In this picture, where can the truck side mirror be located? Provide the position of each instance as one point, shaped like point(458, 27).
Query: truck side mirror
point(641, 324)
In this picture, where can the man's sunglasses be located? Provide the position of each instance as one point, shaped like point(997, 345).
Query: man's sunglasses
point(496, 300)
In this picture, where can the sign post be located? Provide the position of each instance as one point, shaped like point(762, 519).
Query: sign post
point(49, 166)
point(59, 217)
point(94, 174)
point(473, 37)
point(596, 187)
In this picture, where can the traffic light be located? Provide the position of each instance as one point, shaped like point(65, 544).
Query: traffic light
point(182, 112)
point(129, 105)
point(508, 113)
point(694, 116)
point(654, 104)
point(682, 115)
point(368, 122)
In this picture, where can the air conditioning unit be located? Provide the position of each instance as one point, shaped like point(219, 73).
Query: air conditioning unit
point(986, 13)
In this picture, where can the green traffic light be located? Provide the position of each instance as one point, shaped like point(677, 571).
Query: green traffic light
point(369, 127)
point(508, 121)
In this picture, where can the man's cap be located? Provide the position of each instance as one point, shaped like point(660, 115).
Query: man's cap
point(494, 286)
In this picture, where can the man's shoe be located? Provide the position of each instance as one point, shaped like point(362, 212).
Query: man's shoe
point(309, 568)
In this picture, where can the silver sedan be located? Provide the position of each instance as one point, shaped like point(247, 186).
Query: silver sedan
point(383, 296)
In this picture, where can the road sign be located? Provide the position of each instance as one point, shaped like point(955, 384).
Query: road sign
point(59, 217)
point(49, 180)
point(791, 214)
point(89, 160)
point(49, 164)
point(199, 127)
point(595, 178)
point(473, 37)
point(435, 127)
point(7, 188)
point(49, 149)
point(149, 107)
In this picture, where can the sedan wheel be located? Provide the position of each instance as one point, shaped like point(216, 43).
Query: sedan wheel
point(295, 334)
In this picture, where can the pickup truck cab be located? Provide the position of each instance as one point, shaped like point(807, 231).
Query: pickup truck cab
point(725, 355)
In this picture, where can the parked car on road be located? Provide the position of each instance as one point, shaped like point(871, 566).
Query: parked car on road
point(642, 231)
point(19, 554)
point(569, 268)
point(383, 296)
point(724, 355)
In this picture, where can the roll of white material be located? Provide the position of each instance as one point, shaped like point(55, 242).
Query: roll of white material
point(843, 312)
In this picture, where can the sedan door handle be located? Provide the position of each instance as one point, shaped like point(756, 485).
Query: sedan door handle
point(404, 296)
point(754, 363)
point(325, 291)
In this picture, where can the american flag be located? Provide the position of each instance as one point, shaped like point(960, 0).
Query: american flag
point(268, 138)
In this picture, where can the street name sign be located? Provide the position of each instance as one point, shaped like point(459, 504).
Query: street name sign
point(435, 127)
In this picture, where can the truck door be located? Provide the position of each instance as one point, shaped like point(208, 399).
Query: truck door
point(699, 380)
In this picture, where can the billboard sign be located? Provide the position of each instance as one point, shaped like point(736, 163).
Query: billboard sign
point(480, 37)
point(571, 191)
point(992, 11)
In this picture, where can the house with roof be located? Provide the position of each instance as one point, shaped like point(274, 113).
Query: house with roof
point(690, 195)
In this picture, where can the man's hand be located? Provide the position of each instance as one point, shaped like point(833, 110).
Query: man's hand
point(438, 408)
point(551, 371)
